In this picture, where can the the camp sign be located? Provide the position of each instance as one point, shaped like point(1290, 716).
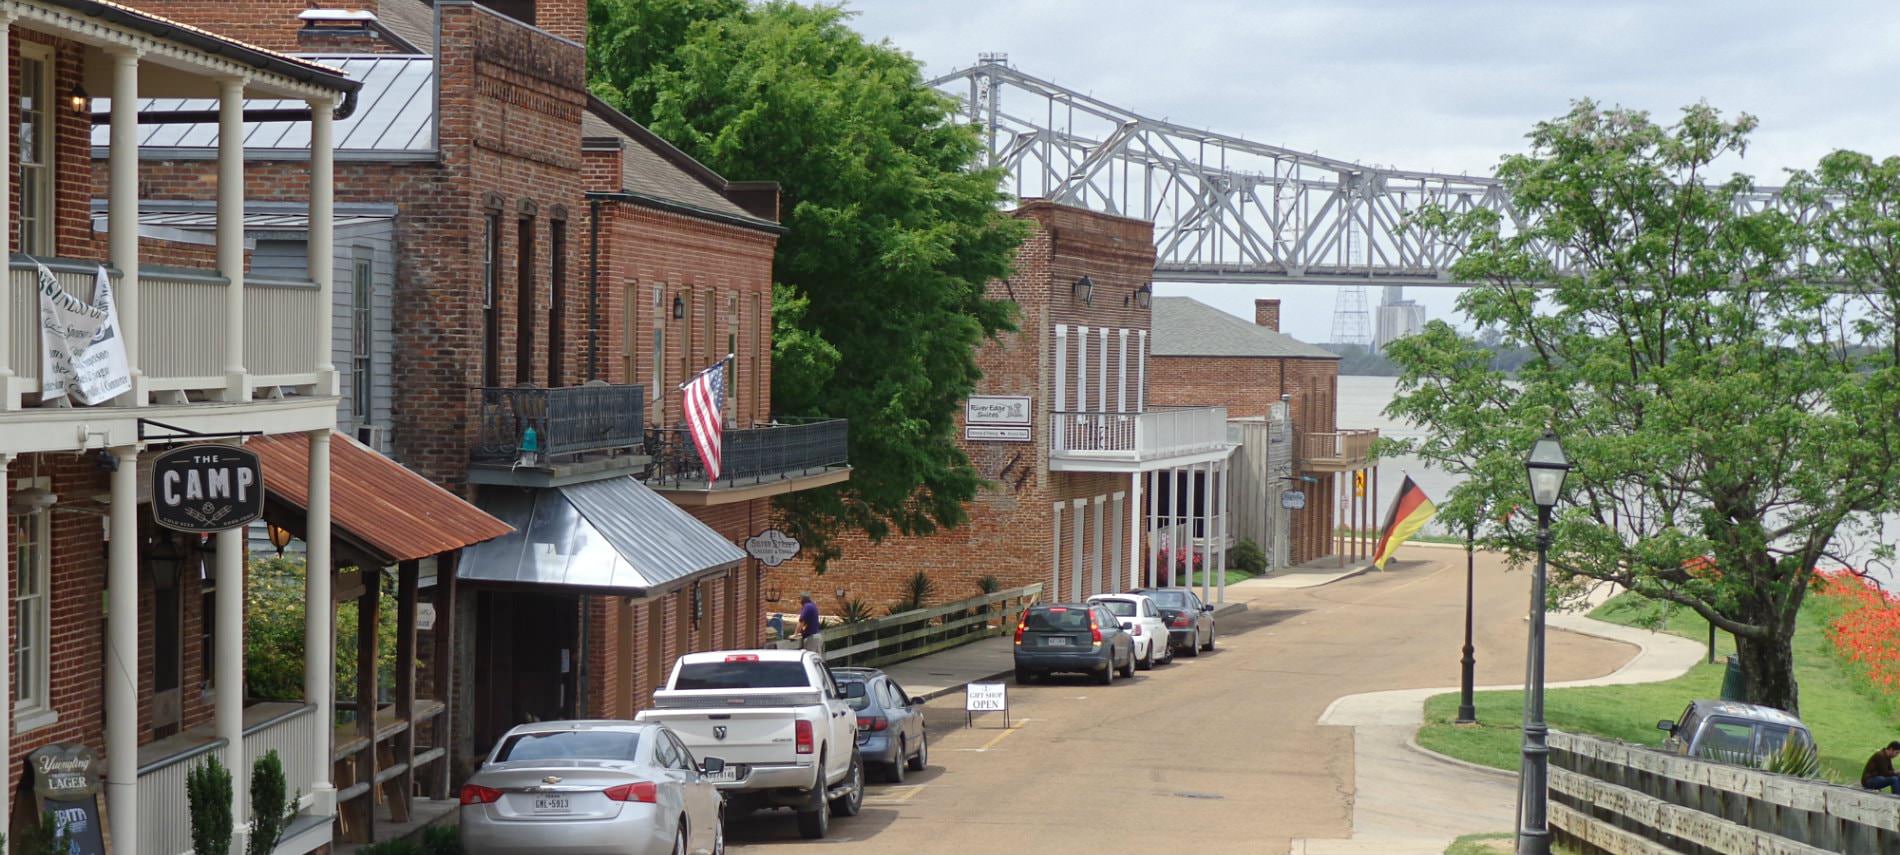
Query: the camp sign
point(207, 488)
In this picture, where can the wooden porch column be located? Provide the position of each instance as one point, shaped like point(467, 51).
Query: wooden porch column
point(122, 225)
point(319, 624)
point(228, 662)
point(122, 652)
point(396, 791)
point(437, 784)
point(237, 384)
point(363, 809)
point(9, 388)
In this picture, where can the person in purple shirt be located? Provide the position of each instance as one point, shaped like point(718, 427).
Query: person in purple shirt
point(807, 619)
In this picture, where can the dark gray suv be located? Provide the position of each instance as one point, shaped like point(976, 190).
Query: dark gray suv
point(1073, 637)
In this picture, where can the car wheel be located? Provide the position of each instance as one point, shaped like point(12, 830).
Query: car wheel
point(1148, 658)
point(1128, 670)
point(1108, 672)
point(853, 799)
point(815, 820)
point(895, 774)
point(679, 839)
point(1210, 639)
point(1193, 647)
point(922, 760)
point(1024, 677)
point(719, 835)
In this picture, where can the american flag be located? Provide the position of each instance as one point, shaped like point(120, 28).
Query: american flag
point(703, 395)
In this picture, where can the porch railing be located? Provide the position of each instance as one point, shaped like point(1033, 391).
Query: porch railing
point(165, 808)
point(1138, 436)
point(566, 420)
point(908, 635)
point(750, 456)
point(181, 325)
point(1338, 448)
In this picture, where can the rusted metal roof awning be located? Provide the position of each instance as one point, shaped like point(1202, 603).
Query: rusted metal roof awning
point(375, 503)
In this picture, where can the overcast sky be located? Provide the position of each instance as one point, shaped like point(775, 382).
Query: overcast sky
point(1444, 85)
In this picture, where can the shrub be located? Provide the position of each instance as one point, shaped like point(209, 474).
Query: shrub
point(271, 809)
point(41, 838)
point(273, 633)
point(854, 610)
point(442, 840)
point(917, 592)
point(1247, 558)
point(397, 846)
point(208, 789)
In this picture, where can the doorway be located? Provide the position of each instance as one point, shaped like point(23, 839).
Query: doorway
point(526, 660)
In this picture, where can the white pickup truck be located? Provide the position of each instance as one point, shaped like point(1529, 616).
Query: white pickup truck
point(779, 721)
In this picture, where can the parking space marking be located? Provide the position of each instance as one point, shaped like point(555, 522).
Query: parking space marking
point(999, 737)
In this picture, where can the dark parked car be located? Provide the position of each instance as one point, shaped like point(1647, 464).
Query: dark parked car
point(891, 733)
point(1073, 637)
point(1190, 621)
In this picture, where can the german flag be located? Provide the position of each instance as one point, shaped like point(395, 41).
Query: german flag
point(1409, 513)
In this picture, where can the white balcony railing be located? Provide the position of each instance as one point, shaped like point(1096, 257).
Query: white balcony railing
point(165, 809)
point(181, 337)
point(1120, 441)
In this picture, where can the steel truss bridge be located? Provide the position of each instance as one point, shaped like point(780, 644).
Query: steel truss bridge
point(1225, 209)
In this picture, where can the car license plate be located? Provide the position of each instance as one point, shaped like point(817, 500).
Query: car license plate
point(551, 804)
point(1059, 641)
point(724, 776)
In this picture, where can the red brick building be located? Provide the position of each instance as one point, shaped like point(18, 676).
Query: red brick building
point(1206, 357)
point(1088, 479)
point(559, 271)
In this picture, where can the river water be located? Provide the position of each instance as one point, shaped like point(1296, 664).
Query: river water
point(1362, 403)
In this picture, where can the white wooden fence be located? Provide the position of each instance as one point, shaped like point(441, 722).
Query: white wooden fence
point(1613, 797)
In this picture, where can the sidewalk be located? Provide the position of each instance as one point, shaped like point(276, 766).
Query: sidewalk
point(1408, 801)
point(1312, 574)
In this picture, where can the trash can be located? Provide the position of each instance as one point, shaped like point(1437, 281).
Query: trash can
point(1732, 689)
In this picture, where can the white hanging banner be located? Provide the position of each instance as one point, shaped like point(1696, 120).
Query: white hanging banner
point(82, 353)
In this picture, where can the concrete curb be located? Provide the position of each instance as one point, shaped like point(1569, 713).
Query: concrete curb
point(1411, 741)
point(1225, 609)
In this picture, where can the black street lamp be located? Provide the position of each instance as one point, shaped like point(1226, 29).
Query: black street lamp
point(1546, 467)
point(1467, 713)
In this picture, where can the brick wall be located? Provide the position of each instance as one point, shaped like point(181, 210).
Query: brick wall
point(1249, 387)
point(1011, 528)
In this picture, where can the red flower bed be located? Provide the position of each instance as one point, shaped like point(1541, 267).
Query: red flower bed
point(1866, 630)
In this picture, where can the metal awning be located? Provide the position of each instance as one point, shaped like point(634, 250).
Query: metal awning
point(613, 535)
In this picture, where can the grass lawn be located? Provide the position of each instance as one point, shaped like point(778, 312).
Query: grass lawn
point(1495, 843)
point(1194, 578)
point(1848, 721)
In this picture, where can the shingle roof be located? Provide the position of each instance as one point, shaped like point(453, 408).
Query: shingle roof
point(648, 173)
point(412, 21)
point(1184, 326)
point(395, 112)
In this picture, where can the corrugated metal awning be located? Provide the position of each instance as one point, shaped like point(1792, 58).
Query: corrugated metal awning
point(611, 535)
point(375, 502)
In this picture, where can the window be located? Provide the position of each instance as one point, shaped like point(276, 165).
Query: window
point(35, 138)
point(557, 295)
point(33, 562)
point(571, 745)
point(732, 382)
point(361, 403)
point(758, 323)
point(491, 321)
point(207, 623)
point(659, 363)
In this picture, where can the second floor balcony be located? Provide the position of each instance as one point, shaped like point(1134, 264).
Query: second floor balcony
point(1337, 451)
point(1136, 442)
point(536, 436)
point(754, 462)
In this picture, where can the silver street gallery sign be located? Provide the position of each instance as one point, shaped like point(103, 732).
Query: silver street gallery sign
point(207, 488)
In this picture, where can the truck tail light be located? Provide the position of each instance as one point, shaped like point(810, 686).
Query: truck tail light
point(743, 657)
point(638, 791)
point(475, 794)
point(802, 738)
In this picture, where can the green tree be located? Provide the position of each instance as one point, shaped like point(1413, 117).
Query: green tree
point(274, 632)
point(1728, 430)
point(208, 789)
point(892, 235)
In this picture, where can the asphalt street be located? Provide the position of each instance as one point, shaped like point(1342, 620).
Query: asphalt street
point(1217, 754)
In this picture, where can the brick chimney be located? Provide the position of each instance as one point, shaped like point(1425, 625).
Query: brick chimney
point(1267, 314)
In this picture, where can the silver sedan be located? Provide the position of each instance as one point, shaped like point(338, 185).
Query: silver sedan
point(593, 788)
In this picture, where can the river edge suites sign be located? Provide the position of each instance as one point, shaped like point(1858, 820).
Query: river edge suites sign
point(205, 489)
point(997, 418)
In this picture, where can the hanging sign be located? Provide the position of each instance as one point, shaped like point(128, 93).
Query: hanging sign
point(1359, 483)
point(771, 546)
point(207, 488)
point(1292, 500)
point(82, 354)
point(66, 785)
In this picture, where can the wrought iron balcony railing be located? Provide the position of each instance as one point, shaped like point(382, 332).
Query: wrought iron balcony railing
point(566, 421)
point(749, 456)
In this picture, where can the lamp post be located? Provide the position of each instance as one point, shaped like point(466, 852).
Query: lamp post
point(1468, 714)
point(1546, 467)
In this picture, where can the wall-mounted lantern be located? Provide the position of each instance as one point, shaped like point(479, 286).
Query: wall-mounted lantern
point(1083, 289)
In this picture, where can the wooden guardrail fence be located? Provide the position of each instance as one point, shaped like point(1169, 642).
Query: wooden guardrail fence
point(911, 634)
point(1622, 799)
